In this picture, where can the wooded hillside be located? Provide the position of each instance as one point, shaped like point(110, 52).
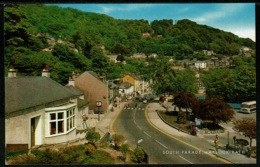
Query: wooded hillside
point(86, 32)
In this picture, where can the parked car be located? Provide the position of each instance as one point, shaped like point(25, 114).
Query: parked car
point(144, 101)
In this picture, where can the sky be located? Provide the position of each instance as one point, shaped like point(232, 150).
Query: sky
point(237, 18)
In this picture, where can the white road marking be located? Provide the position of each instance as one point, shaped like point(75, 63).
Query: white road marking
point(161, 144)
point(185, 159)
point(147, 134)
point(138, 127)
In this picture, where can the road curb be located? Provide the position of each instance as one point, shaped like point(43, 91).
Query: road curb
point(188, 144)
point(170, 124)
point(115, 118)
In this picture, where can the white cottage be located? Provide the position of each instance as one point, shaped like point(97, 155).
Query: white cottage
point(126, 88)
point(40, 111)
point(200, 65)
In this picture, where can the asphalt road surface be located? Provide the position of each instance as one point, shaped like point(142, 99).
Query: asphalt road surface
point(162, 149)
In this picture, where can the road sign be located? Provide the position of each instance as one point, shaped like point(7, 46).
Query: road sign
point(98, 103)
point(198, 122)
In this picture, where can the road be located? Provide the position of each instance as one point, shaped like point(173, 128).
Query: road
point(161, 148)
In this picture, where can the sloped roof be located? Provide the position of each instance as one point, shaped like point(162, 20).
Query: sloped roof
point(26, 92)
point(82, 103)
point(74, 90)
point(93, 73)
point(125, 85)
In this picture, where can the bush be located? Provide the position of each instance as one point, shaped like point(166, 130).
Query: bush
point(22, 159)
point(138, 155)
point(89, 148)
point(39, 157)
point(9, 153)
point(92, 136)
point(99, 157)
point(124, 149)
point(118, 139)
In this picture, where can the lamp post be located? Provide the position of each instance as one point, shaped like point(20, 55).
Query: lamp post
point(98, 104)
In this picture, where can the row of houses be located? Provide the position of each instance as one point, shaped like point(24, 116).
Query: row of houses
point(40, 111)
point(113, 57)
point(211, 63)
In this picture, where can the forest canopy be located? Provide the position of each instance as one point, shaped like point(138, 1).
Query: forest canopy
point(85, 31)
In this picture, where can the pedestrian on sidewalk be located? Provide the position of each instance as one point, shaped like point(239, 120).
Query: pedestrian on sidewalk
point(216, 143)
point(109, 139)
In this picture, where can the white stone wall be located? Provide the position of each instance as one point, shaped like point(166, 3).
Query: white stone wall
point(18, 130)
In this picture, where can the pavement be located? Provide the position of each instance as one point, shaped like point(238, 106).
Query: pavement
point(202, 142)
point(105, 124)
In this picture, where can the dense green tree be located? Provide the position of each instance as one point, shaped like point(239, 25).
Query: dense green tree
point(185, 81)
point(220, 82)
point(87, 30)
point(245, 84)
point(100, 62)
point(120, 49)
point(163, 76)
point(236, 85)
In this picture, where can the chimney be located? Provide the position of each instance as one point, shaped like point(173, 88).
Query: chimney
point(12, 73)
point(72, 79)
point(45, 72)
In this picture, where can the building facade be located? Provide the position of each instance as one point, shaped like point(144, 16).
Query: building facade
point(39, 111)
point(94, 90)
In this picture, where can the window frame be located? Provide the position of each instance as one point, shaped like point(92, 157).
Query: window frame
point(68, 118)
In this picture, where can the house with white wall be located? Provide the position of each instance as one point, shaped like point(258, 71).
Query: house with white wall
point(40, 111)
point(126, 89)
point(200, 64)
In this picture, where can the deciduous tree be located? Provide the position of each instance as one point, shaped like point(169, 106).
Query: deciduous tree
point(215, 109)
point(247, 126)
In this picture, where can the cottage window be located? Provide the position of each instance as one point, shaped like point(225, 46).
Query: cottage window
point(61, 120)
point(56, 123)
point(70, 119)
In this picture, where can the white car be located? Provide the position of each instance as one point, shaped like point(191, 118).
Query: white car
point(144, 101)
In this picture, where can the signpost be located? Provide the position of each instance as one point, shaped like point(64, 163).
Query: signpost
point(98, 104)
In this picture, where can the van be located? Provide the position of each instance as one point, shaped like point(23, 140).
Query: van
point(248, 107)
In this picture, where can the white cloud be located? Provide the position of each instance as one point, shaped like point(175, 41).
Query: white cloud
point(243, 32)
point(129, 7)
point(221, 11)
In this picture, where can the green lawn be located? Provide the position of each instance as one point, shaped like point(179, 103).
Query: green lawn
point(171, 118)
point(206, 126)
